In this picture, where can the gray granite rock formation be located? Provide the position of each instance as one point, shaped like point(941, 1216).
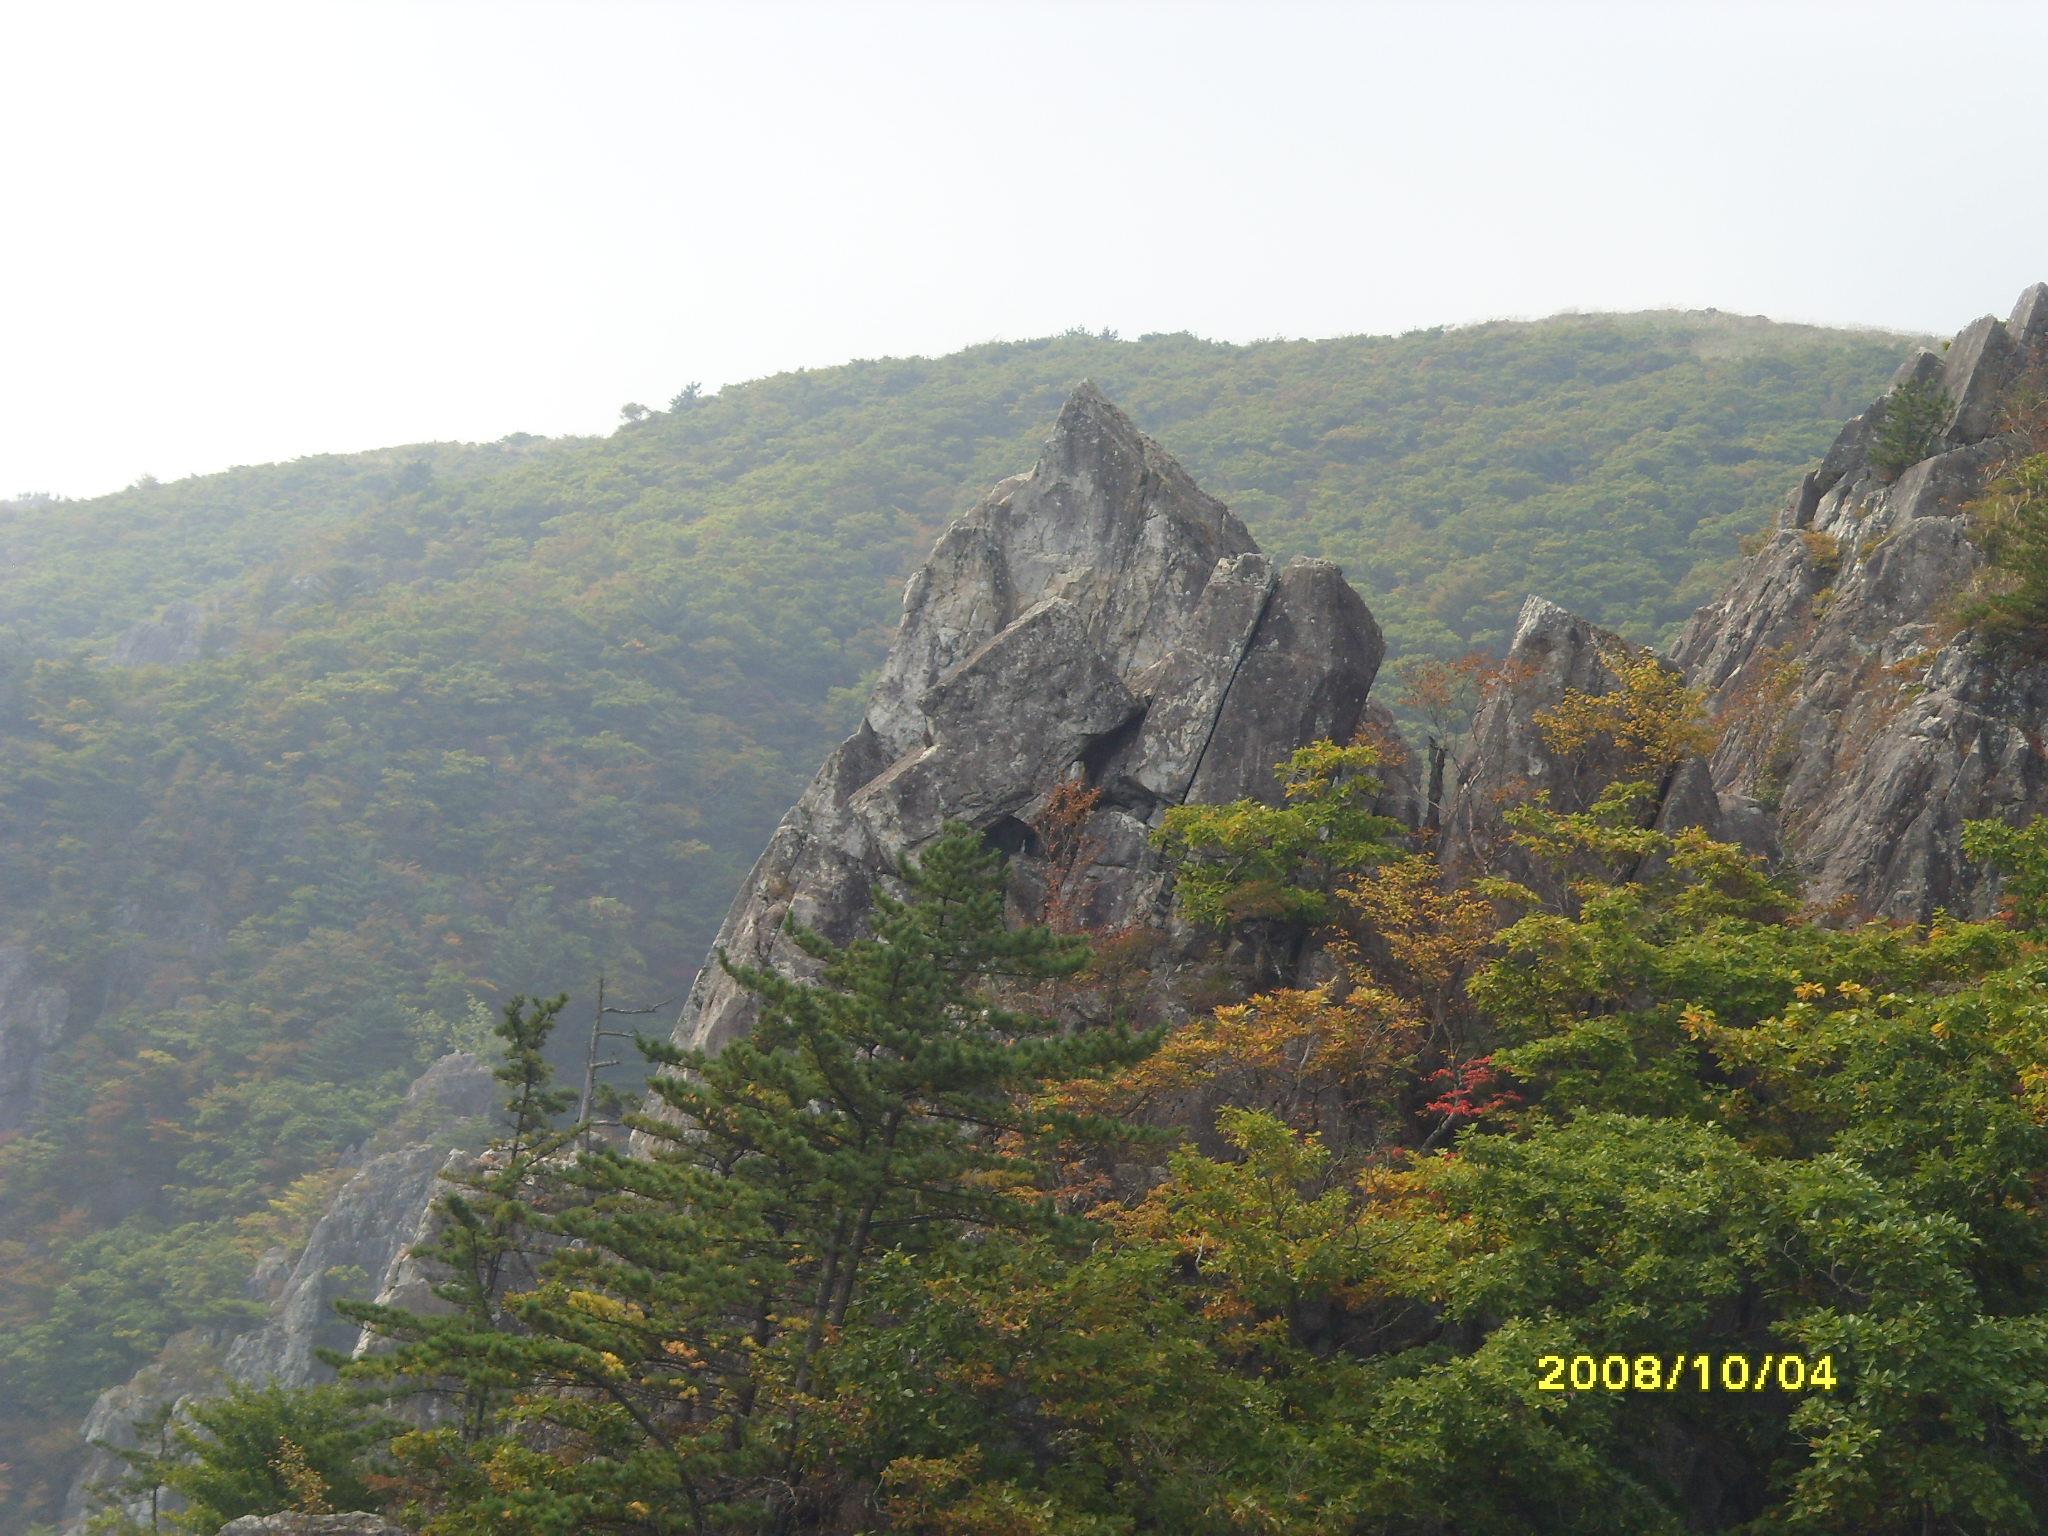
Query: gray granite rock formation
point(173, 638)
point(32, 1019)
point(1100, 615)
point(189, 1365)
point(359, 1247)
point(1853, 706)
point(1507, 761)
point(1861, 725)
point(362, 1239)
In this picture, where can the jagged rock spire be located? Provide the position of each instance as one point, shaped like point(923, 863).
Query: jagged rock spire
point(1100, 615)
point(1860, 725)
point(1851, 702)
point(1508, 762)
point(1107, 523)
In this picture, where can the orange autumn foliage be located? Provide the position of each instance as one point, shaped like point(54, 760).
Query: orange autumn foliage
point(1067, 849)
point(1288, 1049)
point(1425, 941)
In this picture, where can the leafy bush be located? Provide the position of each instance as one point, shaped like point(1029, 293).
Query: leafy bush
point(2021, 855)
point(1652, 720)
point(1249, 860)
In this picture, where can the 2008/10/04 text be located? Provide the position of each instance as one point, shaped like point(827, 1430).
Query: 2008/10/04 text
point(1697, 1373)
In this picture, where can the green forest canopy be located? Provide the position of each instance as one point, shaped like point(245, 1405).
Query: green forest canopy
point(1723, 1219)
point(478, 721)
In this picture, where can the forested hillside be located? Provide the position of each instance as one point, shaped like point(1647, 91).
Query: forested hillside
point(477, 722)
point(87, 570)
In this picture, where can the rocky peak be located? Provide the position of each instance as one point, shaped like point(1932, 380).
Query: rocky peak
point(1508, 762)
point(1107, 525)
point(1861, 726)
point(1551, 653)
point(1853, 705)
point(1099, 616)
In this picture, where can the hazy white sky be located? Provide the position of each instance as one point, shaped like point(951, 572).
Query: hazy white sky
point(243, 232)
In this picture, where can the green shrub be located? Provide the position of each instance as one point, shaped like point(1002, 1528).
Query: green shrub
point(2021, 855)
point(267, 1450)
point(1910, 429)
point(1246, 860)
point(2010, 524)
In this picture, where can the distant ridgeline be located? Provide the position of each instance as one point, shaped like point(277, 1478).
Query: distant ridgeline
point(306, 768)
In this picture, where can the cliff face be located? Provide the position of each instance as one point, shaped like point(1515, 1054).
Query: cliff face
point(32, 1019)
point(360, 1246)
point(172, 639)
point(361, 1242)
point(1098, 616)
point(1852, 704)
point(1860, 724)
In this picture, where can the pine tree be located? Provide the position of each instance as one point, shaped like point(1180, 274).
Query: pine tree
point(484, 1246)
point(678, 1351)
point(2010, 525)
point(1911, 426)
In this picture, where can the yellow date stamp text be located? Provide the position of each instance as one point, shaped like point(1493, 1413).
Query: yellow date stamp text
point(1688, 1373)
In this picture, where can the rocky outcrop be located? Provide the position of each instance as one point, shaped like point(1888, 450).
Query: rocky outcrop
point(189, 1365)
point(312, 1525)
point(32, 1019)
point(173, 638)
point(1401, 797)
point(1853, 705)
point(1508, 761)
point(1860, 724)
point(1099, 616)
point(360, 1246)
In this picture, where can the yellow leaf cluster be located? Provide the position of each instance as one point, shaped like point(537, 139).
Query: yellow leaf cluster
point(1652, 718)
point(1428, 939)
point(1290, 1040)
point(611, 1309)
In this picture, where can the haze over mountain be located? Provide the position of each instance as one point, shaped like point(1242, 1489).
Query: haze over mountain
point(371, 223)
